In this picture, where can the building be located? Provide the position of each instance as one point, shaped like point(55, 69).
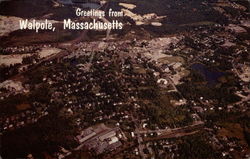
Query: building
point(100, 139)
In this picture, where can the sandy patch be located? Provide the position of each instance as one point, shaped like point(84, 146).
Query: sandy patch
point(236, 28)
point(15, 86)
point(127, 5)
point(156, 52)
point(23, 106)
point(177, 77)
point(163, 43)
point(228, 44)
point(156, 24)
point(178, 102)
point(223, 3)
point(9, 24)
point(155, 55)
point(246, 23)
point(157, 47)
point(48, 15)
point(176, 61)
point(245, 75)
point(145, 19)
point(219, 9)
point(48, 52)
point(55, 4)
point(12, 59)
point(18, 58)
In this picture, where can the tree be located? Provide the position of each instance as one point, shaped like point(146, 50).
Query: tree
point(30, 59)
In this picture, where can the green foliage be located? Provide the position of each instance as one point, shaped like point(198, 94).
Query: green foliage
point(196, 147)
point(47, 135)
point(162, 113)
point(247, 137)
point(30, 59)
point(40, 94)
point(195, 87)
point(8, 105)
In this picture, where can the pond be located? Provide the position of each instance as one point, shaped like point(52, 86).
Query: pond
point(81, 3)
point(211, 76)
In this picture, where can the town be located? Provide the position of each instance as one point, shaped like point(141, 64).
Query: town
point(146, 92)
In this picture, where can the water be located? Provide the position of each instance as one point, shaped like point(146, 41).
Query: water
point(3, 0)
point(69, 2)
point(65, 1)
point(91, 5)
point(211, 76)
point(84, 5)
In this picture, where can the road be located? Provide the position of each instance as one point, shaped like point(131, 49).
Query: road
point(162, 131)
point(139, 137)
point(166, 134)
point(177, 132)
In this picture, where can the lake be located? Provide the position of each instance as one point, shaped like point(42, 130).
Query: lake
point(84, 5)
point(211, 76)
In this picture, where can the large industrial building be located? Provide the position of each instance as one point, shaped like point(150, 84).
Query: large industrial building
point(100, 139)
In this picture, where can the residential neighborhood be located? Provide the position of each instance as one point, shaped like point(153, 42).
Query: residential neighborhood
point(170, 85)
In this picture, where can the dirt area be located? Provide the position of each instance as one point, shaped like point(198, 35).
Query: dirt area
point(158, 45)
point(23, 106)
point(232, 130)
point(8, 60)
point(12, 59)
point(127, 5)
point(223, 3)
point(171, 59)
point(245, 75)
point(145, 19)
point(198, 23)
point(236, 28)
point(48, 52)
point(228, 44)
point(9, 24)
point(246, 23)
point(14, 86)
point(177, 77)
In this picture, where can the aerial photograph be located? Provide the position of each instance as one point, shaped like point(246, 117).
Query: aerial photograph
point(124, 79)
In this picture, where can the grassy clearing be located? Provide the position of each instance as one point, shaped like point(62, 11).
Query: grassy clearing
point(23, 106)
point(171, 59)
